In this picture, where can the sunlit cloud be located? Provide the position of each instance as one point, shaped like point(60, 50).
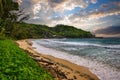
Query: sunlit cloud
point(106, 35)
point(104, 14)
point(94, 1)
point(19, 1)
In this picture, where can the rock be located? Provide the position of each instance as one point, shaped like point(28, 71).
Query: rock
point(75, 77)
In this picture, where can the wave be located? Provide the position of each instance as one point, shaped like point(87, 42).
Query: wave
point(81, 43)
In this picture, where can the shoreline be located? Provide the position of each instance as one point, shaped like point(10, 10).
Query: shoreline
point(59, 68)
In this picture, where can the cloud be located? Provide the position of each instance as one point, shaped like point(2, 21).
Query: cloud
point(104, 6)
point(27, 5)
point(47, 8)
point(111, 4)
point(108, 31)
point(18, 1)
point(55, 5)
point(105, 10)
point(43, 10)
point(105, 35)
point(94, 1)
point(102, 14)
point(116, 3)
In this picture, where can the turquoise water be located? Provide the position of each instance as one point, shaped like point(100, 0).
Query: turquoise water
point(104, 51)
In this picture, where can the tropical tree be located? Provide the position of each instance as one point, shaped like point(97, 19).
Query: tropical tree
point(8, 16)
point(5, 7)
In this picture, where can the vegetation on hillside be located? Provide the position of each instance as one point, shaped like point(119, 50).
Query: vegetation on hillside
point(7, 18)
point(24, 30)
point(9, 13)
point(15, 64)
point(71, 32)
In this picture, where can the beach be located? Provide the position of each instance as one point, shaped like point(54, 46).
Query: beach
point(59, 68)
point(101, 56)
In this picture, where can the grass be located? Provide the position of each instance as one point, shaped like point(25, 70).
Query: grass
point(15, 64)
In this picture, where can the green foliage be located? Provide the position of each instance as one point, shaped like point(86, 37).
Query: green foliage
point(5, 7)
point(15, 64)
point(24, 30)
point(7, 16)
point(2, 35)
point(71, 32)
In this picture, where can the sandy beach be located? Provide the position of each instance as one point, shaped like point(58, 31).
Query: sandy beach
point(59, 68)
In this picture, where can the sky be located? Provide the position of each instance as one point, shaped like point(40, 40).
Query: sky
point(101, 17)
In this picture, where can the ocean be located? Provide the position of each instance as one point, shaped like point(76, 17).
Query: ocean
point(101, 56)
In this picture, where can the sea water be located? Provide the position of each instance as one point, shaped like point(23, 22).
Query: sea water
point(101, 56)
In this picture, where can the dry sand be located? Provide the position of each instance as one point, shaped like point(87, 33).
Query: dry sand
point(59, 68)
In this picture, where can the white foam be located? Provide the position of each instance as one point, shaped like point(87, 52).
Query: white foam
point(79, 43)
point(102, 71)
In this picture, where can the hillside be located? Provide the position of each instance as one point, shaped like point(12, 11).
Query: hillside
point(24, 30)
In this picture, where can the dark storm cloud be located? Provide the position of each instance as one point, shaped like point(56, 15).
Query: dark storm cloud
point(57, 1)
point(113, 30)
point(104, 6)
point(111, 5)
point(26, 4)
